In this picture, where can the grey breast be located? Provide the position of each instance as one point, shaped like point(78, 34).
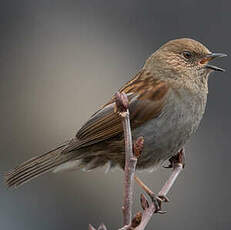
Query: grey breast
point(167, 134)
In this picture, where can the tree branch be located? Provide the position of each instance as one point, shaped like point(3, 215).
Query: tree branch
point(130, 159)
point(150, 210)
point(140, 220)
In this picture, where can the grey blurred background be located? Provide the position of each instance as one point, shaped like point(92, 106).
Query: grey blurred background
point(61, 60)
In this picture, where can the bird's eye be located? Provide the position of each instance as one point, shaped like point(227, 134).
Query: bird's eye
point(187, 54)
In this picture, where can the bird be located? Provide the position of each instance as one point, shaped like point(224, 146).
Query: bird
point(167, 100)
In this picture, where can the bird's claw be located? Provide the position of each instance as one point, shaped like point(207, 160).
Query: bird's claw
point(157, 201)
point(179, 158)
point(168, 166)
point(163, 198)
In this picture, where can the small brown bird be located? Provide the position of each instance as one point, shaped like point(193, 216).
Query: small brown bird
point(167, 100)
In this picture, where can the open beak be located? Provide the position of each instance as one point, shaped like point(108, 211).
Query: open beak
point(210, 57)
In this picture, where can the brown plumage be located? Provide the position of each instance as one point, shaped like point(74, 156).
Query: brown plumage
point(167, 99)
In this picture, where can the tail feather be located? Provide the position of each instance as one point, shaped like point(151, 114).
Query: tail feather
point(37, 166)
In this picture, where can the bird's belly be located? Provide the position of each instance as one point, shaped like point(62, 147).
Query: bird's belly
point(166, 135)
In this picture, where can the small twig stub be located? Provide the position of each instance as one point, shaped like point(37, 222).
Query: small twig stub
point(122, 104)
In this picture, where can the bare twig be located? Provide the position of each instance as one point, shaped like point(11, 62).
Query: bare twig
point(130, 159)
point(140, 220)
point(169, 183)
point(149, 210)
point(146, 216)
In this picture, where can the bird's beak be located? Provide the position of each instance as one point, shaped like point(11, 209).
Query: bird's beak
point(210, 57)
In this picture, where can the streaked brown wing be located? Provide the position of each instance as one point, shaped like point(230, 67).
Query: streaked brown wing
point(146, 99)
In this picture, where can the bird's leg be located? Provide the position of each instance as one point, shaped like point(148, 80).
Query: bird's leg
point(177, 162)
point(155, 198)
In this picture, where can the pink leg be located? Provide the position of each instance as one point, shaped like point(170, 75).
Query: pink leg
point(177, 164)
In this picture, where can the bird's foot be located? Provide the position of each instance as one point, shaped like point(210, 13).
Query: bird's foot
point(179, 158)
point(157, 200)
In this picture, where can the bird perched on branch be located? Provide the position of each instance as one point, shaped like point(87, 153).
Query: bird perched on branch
point(167, 100)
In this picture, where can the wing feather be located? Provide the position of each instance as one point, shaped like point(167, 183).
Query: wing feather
point(146, 99)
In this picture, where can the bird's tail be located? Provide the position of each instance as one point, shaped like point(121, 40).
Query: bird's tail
point(37, 166)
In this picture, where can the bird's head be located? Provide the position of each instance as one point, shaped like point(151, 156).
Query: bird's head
point(184, 58)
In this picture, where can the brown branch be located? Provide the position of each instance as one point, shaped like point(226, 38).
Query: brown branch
point(121, 107)
point(149, 210)
point(140, 220)
point(169, 183)
point(130, 159)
